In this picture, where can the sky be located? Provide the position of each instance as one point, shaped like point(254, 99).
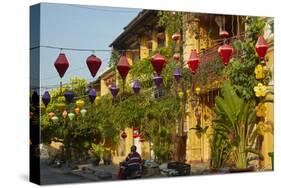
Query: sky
point(76, 26)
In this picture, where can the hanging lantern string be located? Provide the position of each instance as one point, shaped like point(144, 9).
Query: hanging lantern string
point(73, 71)
point(56, 85)
point(82, 49)
point(232, 25)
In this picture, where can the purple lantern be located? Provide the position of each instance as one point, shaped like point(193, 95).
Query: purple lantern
point(46, 98)
point(136, 86)
point(177, 74)
point(114, 90)
point(69, 95)
point(92, 95)
point(158, 80)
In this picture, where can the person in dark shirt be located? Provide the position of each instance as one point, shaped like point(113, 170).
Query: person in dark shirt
point(133, 160)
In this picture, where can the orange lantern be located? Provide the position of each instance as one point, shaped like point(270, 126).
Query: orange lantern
point(77, 110)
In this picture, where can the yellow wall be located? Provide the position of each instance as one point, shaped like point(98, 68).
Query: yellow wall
point(191, 41)
point(144, 51)
point(154, 40)
point(198, 148)
point(268, 142)
point(103, 88)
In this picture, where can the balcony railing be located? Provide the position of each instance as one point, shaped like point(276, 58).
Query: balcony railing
point(211, 54)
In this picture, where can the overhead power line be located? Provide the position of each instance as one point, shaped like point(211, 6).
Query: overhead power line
point(104, 9)
point(81, 49)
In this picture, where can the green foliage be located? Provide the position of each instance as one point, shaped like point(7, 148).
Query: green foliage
point(143, 71)
point(209, 71)
point(241, 69)
point(82, 132)
point(97, 149)
point(221, 151)
point(113, 59)
point(235, 123)
point(171, 21)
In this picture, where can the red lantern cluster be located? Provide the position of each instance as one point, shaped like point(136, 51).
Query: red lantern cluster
point(261, 47)
point(93, 64)
point(193, 61)
point(225, 51)
point(123, 67)
point(158, 62)
point(61, 64)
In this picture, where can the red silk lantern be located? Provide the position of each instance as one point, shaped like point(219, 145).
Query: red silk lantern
point(193, 61)
point(261, 47)
point(123, 135)
point(176, 36)
point(225, 51)
point(93, 64)
point(224, 34)
point(61, 64)
point(123, 67)
point(176, 56)
point(135, 133)
point(158, 62)
point(142, 138)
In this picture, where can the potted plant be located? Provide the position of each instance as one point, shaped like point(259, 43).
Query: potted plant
point(235, 122)
point(96, 153)
point(199, 130)
point(106, 157)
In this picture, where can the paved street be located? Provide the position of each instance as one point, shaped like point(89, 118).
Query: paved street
point(50, 175)
point(88, 173)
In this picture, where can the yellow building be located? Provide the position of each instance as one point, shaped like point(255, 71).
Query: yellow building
point(143, 35)
point(198, 148)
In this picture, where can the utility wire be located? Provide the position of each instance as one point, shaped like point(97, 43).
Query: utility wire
point(104, 9)
point(82, 49)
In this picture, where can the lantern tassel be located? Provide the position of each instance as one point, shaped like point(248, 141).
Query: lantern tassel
point(60, 87)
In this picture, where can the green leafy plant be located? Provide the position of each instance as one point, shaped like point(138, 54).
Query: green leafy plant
point(221, 151)
point(241, 69)
point(235, 122)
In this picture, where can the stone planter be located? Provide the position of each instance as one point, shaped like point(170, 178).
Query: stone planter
point(96, 160)
point(107, 158)
point(237, 170)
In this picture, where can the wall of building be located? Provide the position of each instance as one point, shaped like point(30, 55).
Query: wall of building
point(268, 142)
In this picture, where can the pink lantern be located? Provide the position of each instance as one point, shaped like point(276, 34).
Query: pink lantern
point(64, 114)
